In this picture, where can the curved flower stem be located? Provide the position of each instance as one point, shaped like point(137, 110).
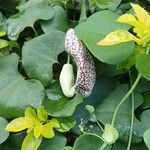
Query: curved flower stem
point(132, 116)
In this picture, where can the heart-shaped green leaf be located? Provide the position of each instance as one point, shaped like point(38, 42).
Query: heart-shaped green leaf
point(31, 12)
point(143, 65)
point(95, 28)
point(147, 138)
point(65, 124)
point(39, 55)
point(58, 22)
point(89, 142)
point(111, 4)
point(63, 107)
point(145, 118)
point(4, 134)
point(16, 93)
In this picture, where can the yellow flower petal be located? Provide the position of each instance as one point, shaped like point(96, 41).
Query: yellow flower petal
point(42, 114)
point(117, 37)
point(128, 19)
point(38, 130)
point(3, 43)
point(20, 124)
point(2, 33)
point(47, 131)
point(54, 123)
point(30, 112)
point(141, 14)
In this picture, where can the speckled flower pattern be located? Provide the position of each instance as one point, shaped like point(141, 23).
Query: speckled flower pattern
point(86, 75)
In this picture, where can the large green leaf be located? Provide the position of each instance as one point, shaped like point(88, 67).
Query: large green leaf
point(40, 53)
point(145, 118)
point(16, 93)
point(123, 146)
point(106, 109)
point(65, 124)
point(58, 22)
point(96, 28)
point(54, 91)
point(4, 134)
point(68, 148)
point(146, 97)
point(88, 142)
point(56, 143)
point(143, 65)
point(63, 107)
point(30, 13)
point(147, 138)
point(111, 4)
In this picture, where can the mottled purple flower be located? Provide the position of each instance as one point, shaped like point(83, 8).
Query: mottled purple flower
point(86, 75)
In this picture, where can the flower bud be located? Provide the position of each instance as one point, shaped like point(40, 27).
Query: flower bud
point(66, 80)
point(110, 134)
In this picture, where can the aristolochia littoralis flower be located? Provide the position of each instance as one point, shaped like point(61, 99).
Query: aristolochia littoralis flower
point(86, 75)
point(141, 28)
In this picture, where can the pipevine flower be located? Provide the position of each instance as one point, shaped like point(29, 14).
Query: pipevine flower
point(141, 28)
point(86, 75)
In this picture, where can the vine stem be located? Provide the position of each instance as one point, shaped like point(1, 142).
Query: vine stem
point(125, 98)
point(132, 115)
point(103, 146)
point(128, 94)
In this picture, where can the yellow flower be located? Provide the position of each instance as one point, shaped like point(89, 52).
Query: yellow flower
point(46, 130)
point(141, 28)
point(38, 123)
point(2, 33)
point(20, 124)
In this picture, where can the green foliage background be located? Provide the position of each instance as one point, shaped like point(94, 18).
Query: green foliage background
point(30, 66)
